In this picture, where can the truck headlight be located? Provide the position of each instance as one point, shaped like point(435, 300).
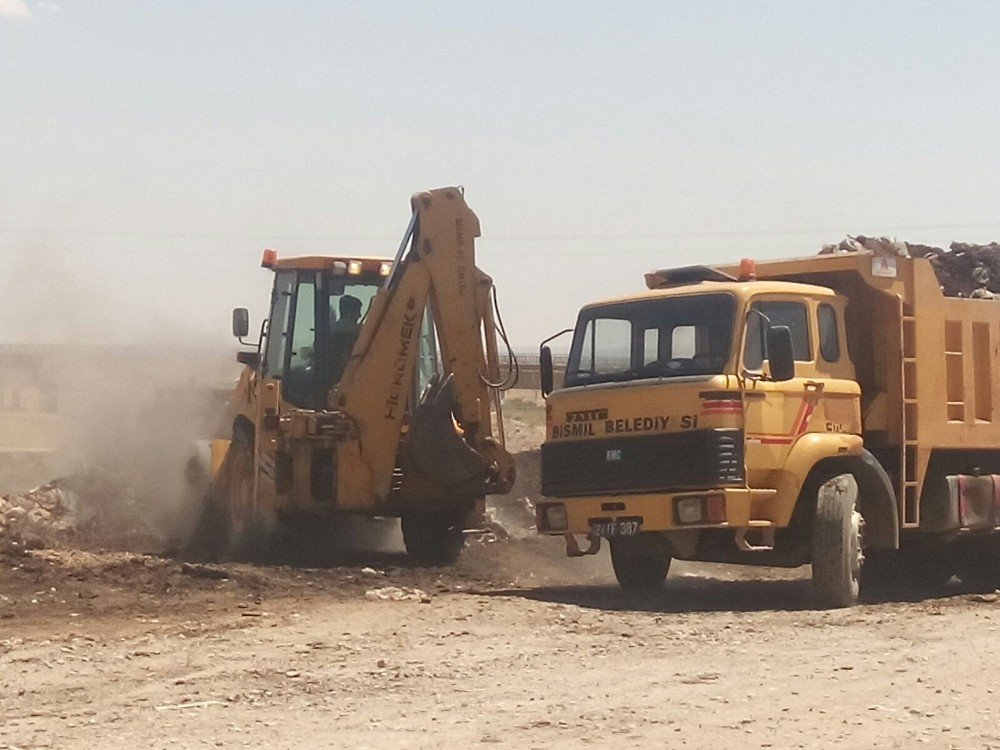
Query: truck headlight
point(554, 516)
point(700, 509)
point(689, 510)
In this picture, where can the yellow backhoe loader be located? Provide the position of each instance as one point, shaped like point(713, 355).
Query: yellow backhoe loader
point(373, 389)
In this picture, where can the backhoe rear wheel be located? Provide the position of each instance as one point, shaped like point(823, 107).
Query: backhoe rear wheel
point(641, 563)
point(837, 544)
point(432, 540)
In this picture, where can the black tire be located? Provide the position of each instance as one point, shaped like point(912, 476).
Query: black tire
point(232, 510)
point(236, 488)
point(202, 538)
point(432, 540)
point(837, 546)
point(209, 535)
point(640, 563)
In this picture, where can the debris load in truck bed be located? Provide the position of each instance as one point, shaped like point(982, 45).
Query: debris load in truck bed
point(964, 270)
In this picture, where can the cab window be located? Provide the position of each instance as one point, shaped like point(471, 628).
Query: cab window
point(794, 315)
point(829, 337)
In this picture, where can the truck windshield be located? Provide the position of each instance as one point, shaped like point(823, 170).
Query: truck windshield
point(652, 338)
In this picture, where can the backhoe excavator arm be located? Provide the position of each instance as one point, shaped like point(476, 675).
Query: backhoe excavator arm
point(435, 269)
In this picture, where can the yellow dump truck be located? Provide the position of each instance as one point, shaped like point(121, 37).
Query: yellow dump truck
point(836, 410)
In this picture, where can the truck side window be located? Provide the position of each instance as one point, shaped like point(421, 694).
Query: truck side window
point(829, 340)
point(794, 315)
point(650, 345)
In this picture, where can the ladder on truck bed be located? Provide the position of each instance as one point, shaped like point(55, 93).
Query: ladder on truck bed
point(908, 486)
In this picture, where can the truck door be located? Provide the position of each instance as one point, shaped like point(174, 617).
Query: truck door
point(776, 414)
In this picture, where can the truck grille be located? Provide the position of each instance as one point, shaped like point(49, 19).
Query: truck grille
point(651, 463)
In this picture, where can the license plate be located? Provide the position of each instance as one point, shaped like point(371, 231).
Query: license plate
point(618, 527)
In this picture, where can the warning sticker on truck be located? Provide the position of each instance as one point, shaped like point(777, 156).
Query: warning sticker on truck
point(884, 265)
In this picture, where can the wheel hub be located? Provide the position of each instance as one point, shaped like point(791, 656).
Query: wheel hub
point(856, 556)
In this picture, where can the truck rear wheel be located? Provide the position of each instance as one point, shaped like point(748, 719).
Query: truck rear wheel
point(641, 563)
point(837, 545)
point(432, 540)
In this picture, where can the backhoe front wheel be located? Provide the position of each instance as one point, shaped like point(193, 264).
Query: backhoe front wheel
point(837, 544)
point(641, 562)
point(432, 540)
point(243, 530)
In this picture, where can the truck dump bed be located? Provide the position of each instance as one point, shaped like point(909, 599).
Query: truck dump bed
point(925, 363)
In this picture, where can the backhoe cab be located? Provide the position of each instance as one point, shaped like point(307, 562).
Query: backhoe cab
point(373, 390)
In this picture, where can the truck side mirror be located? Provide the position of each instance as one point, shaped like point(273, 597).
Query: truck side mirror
point(241, 322)
point(545, 369)
point(780, 354)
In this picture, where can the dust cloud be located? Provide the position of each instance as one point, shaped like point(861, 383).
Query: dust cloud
point(102, 392)
point(106, 397)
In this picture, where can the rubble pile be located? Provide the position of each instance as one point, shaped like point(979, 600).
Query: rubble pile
point(965, 269)
point(98, 505)
point(43, 513)
point(508, 517)
point(512, 516)
point(397, 594)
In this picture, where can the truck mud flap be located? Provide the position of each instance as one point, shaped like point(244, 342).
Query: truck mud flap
point(435, 446)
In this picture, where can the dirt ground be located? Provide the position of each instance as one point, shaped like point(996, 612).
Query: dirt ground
point(514, 647)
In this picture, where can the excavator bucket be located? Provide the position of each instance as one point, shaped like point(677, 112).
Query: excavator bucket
point(435, 446)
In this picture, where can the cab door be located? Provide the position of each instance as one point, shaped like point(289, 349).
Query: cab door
point(776, 414)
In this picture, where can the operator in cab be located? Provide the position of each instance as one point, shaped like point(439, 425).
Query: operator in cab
point(307, 377)
point(343, 334)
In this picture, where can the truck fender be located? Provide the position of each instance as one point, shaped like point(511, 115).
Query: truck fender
point(809, 452)
point(876, 497)
point(878, 501)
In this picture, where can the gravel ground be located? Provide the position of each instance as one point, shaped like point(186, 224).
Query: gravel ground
point(515, 647)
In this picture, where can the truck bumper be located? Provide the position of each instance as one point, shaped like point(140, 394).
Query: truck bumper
point(717, 508)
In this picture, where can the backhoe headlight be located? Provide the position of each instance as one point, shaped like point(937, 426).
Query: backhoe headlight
point(554, 516)
point(354, 267)
point(385, 268)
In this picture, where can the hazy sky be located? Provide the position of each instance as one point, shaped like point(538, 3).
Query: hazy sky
point(149, 151)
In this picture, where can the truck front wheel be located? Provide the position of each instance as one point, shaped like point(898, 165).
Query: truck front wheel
point(641, 563)
point(432, 540)
point(837, 544)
